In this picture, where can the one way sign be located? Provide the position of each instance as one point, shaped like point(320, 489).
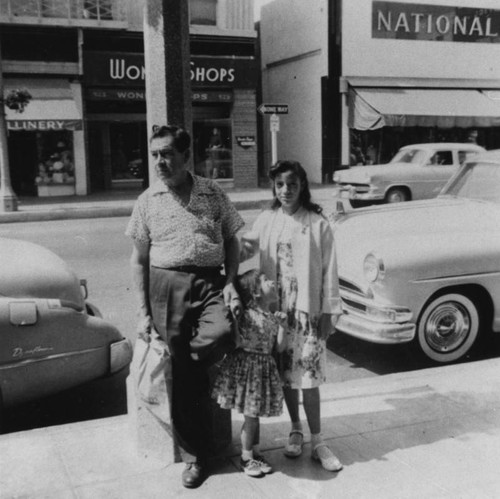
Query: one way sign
point(273, 109)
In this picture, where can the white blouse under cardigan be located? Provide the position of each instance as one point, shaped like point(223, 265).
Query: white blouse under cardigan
point(314, 259)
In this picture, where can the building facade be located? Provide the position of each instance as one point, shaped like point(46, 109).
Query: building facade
point(384, 74)
point(83, 63)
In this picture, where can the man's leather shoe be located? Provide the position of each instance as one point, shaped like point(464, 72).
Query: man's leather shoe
point(193, 475)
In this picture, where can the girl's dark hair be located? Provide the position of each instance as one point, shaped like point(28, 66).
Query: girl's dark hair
point(182, 139)
point(248, 285)
point(296, 168)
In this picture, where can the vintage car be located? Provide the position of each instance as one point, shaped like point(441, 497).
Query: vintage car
point(417, 171)
point(426, 272)
point(51, 338)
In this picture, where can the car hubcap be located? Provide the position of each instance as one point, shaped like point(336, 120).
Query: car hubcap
point(447, 327)
point(396, 197)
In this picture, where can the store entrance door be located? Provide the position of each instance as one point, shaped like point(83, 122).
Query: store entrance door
point(23, 162)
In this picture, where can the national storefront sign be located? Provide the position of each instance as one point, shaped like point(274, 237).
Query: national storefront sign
point(127, 69)
point(410, 21)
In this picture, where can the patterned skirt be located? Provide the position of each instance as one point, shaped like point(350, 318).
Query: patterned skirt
point(249, 383)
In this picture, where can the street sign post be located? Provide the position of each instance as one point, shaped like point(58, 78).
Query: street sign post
point(274, 124)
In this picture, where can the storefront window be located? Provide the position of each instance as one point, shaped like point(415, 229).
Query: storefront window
point(380, 146)
point(40, 159)
point(212, 144)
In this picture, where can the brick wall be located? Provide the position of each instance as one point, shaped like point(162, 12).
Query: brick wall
point(245, 124)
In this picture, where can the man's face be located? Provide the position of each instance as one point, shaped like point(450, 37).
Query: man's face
point(170, 164)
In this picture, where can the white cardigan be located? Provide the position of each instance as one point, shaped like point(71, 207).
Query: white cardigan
point(314, 261)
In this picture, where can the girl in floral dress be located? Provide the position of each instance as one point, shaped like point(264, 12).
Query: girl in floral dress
point(295, 245)
point(248, 379)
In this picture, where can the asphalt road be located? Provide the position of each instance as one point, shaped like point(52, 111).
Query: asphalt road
point(98, 251)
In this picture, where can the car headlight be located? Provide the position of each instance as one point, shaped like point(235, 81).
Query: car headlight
point(373, 268)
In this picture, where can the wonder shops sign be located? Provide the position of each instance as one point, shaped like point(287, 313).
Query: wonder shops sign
point(408, 21)
point(127, 70)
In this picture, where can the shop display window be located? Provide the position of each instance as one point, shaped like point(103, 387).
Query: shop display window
point(213, 156)
point(55, 158)
point(127, 146)
point(212, 141)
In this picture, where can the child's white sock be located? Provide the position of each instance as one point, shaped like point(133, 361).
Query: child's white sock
point(246, 454)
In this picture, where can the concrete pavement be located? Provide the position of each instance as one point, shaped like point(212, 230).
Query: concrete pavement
point(432, 433)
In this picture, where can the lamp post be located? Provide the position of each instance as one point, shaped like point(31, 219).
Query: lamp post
point(8, 199)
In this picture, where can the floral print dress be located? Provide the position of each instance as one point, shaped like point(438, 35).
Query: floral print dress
point(303, 363)
point(248, 378)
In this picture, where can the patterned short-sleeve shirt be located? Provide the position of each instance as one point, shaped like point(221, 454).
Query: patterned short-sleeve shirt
point(185, 235)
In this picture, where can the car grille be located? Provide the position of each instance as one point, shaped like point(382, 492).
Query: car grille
point(361, 303)
point(354, 305)
point(350, 286)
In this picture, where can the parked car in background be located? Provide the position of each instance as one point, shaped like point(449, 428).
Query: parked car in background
point(426, 272)
point(417, 171)
point(51, 337)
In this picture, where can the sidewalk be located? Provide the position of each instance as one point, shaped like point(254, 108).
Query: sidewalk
point(120, 204)
point(432, 433)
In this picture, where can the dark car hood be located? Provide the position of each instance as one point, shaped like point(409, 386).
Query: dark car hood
point(28, 270)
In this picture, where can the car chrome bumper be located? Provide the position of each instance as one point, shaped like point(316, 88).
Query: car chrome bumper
point(375, 332)
point(369, 320)
point(354, 193)
point(120, 355)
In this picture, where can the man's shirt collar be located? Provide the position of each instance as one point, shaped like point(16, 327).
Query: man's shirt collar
point(199, 185)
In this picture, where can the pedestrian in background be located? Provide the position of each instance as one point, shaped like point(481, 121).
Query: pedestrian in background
point(248, 379)
point(184, 231)
point(295, 242)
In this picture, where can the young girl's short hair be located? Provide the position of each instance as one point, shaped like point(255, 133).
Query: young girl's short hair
point(248, 285)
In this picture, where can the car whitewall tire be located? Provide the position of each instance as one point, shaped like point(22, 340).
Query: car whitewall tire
point(448, 328)
point(396, 195)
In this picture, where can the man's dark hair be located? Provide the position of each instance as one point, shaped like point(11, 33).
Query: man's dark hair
point(296, 168)
point(182, 139)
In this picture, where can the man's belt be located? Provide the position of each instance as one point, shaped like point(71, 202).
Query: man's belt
point(193, 269)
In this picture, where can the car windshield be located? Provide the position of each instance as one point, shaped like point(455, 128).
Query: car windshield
point(411, 156)
point(476, 181)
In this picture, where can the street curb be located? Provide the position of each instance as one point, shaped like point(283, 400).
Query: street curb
point(97, 212)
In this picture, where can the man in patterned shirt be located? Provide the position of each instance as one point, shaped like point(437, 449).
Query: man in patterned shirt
point(184, 230)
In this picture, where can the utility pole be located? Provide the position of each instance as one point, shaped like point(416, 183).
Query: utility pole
point(167, 63)
point(8, 199)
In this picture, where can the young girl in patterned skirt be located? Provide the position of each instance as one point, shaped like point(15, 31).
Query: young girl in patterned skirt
point(248, 380)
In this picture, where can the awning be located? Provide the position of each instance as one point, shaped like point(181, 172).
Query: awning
point(53, 105)
point(372, 108)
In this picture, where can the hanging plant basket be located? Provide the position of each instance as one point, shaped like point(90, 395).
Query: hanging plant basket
point(17, 99)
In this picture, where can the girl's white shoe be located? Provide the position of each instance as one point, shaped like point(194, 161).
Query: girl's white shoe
point(326, 457)
point(295, 442)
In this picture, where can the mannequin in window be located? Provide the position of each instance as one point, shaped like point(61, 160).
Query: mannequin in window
point(215, 141)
